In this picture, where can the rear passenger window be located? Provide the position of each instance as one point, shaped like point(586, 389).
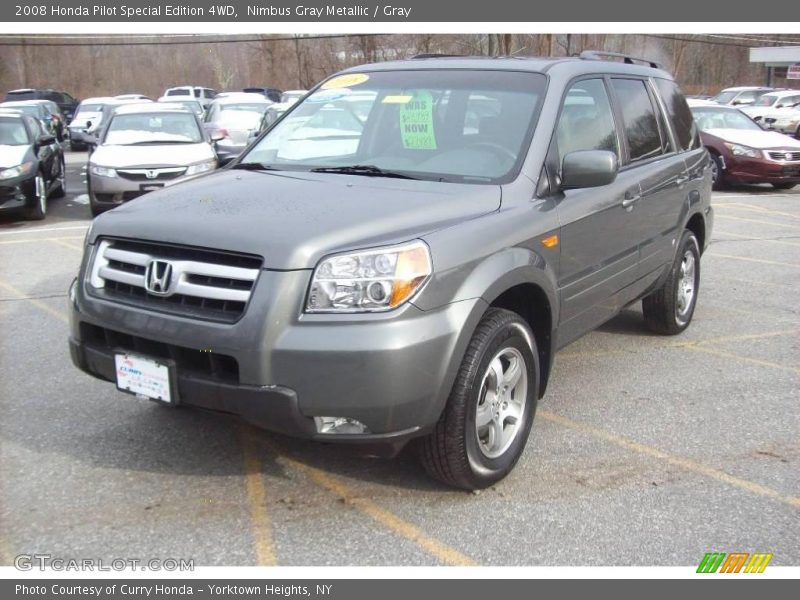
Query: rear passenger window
point(638, 119)
point(679, 113)
point(586, 121)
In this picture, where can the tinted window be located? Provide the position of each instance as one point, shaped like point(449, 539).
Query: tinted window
point(638, 119)
point(679, 113)
point(586, 121)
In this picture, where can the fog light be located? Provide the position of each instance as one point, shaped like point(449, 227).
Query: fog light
point(73, 292)
point(334, 425)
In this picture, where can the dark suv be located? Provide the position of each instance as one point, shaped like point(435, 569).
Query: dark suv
point(65, 102)
point(403, 253)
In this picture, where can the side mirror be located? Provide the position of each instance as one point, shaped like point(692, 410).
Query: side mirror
point(46, 139)
point(588, 168)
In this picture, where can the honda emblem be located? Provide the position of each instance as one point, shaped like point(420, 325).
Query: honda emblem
point(158, 277)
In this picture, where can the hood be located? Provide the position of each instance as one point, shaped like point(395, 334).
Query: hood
point(292, 219)
point(172, 155)
point(12, 156)
point(84, 117)
point(755, 139)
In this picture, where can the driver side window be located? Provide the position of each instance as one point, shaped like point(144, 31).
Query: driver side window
point(586, 121)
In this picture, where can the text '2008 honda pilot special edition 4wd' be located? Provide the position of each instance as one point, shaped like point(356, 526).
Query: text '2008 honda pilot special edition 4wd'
point(402, 254)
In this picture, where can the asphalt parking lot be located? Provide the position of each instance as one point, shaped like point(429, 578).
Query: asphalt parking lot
point(646, 450)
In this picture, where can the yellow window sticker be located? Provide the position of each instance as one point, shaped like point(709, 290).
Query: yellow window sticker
point(416, 122)
point(397, 99)
point(343, 81)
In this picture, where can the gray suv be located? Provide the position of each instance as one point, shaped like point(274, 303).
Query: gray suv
point(406, 267)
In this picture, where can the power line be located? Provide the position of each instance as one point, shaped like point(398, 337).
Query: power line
point(187, 42)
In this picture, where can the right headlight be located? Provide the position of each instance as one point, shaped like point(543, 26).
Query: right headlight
point(373, 280)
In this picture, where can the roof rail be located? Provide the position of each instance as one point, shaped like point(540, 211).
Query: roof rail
point(435, 55)
point(599, 55)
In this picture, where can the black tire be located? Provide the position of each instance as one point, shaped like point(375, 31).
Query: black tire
point(783, 186)
point(77, 146)
point(37, 206)
point(61, 186)
point(453, 453)
point(663, 312)
point(718, 181)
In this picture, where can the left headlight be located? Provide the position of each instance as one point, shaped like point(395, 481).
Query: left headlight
point(740, 150)
point(373, 280)
point(202, 167)
point(17, 171)
point(102, 171)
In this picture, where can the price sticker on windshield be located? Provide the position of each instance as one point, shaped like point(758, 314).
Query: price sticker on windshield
point(416, 122)
point(344, 81)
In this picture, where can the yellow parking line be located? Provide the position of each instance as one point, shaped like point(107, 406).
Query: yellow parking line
point(771, 223)
point(755, 260)
point(750, 237)
point(755, 361)
point(440, 550)
point(257, 504)
point(65, 244)
point(20, 295)
point(678, 461)
point(37, 240)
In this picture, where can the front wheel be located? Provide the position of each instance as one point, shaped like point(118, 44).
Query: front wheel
point(37, 205)
point(670, 308)
point(485, 425)
point(717, 174)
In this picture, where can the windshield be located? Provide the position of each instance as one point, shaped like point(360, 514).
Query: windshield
point(724, 97)
point(179, 92)
point(32, 110)
point(453, 125)
point(153, 128)
point(722, 118)
point(89, 108)
point(766, 100)
point(240, 116)
point(13, 133)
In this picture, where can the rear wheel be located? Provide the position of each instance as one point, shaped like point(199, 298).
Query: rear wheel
point(783, 186)
point(37, 205)
point(670, 309)
point(485, 425)
point(61, 182)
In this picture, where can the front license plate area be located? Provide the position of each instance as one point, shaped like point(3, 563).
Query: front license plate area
point(150, 187)
point(143, 376)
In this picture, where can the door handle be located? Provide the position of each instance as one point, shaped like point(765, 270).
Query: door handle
point(681, 180)
point(630, 200)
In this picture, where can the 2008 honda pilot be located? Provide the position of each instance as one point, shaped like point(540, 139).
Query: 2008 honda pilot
point(403, 253)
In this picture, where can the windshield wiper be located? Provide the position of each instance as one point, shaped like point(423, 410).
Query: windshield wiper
point(254, 166)
point(365, 170)
point(143, 142)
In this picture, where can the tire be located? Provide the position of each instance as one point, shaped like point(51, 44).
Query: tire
point(61, 186)
point(77, 146)
point(462, 454)
point(717, 174)
point(783, 186)
point(37, 208)
point(669, 310)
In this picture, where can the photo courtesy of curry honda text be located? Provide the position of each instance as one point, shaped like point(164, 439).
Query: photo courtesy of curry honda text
point(399, 257)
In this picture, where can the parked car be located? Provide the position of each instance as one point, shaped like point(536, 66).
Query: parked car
point(88, 114)
point(234, 118)
point(132, 97)
point(46, 112)
point(742, 95)
point(94, 126)
point(418, 283)
point(190, 103)
point(144, 147)
point(786, 121)
point(273, 94)
point(771, 102)
point(743, 152)
point(201, 94)
point(65, 102)
point(31, 165)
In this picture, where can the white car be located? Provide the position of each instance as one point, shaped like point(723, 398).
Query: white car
point(741, 95)
point(768, 104)
point(785, 120)
point(203, 95)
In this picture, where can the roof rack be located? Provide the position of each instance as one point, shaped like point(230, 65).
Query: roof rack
point(629, 60)
point(435, 55)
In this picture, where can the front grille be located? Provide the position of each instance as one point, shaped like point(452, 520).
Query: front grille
point(156, 174)
point(785, 155)
point(210, 365)
point(202, 283)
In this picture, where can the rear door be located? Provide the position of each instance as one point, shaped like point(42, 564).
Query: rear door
point(599, 254)
point(652, 158)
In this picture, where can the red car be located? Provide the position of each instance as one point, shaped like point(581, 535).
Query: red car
point(743, 152)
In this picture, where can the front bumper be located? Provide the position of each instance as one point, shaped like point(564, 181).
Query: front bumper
point(108, 192)
point(759, 170)
point(16, 193)
point(227, 152)
point(392, 371)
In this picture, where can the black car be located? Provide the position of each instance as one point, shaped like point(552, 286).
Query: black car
point(31, 165)
point(46, 111)
point(273, 94)
point(65, 101)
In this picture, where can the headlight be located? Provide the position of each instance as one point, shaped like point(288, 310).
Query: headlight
point(103, 171)
point(739, 150)
point(369, 281)
point(17, 171)
point(202, 167)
